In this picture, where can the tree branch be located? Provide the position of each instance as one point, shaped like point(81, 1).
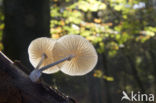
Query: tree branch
point(12, 76)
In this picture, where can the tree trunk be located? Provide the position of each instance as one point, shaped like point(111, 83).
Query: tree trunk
point(25, 20)
point(107, 87)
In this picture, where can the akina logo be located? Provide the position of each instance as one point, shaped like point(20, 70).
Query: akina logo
point(137, 97)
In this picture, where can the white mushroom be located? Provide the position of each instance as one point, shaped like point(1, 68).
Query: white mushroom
point(84, 54)
point(40, 54)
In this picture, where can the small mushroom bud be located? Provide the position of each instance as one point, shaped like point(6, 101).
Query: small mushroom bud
point(84, 55)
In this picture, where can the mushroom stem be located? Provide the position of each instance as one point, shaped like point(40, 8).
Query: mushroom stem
point(55, 63)
point(41, 61)
point(35, 74)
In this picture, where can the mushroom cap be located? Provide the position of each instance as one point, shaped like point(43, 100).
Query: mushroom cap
point(37, 48)
point(85, 56)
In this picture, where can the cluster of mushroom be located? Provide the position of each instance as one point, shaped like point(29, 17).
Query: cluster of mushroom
point(71, 54)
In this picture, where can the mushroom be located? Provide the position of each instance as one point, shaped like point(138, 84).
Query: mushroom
point(72, 53)
point(40, 54)
point(84, 56)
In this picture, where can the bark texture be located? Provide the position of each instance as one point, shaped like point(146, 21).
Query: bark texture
point(16, 87)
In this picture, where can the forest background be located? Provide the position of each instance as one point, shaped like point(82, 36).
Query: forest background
point(122, 31)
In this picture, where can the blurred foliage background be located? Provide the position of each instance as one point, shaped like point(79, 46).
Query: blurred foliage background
point(1, 24)
point(123, 33)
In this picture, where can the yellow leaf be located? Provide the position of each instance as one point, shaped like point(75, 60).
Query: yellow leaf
point(55, 36)
point(97, 20)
